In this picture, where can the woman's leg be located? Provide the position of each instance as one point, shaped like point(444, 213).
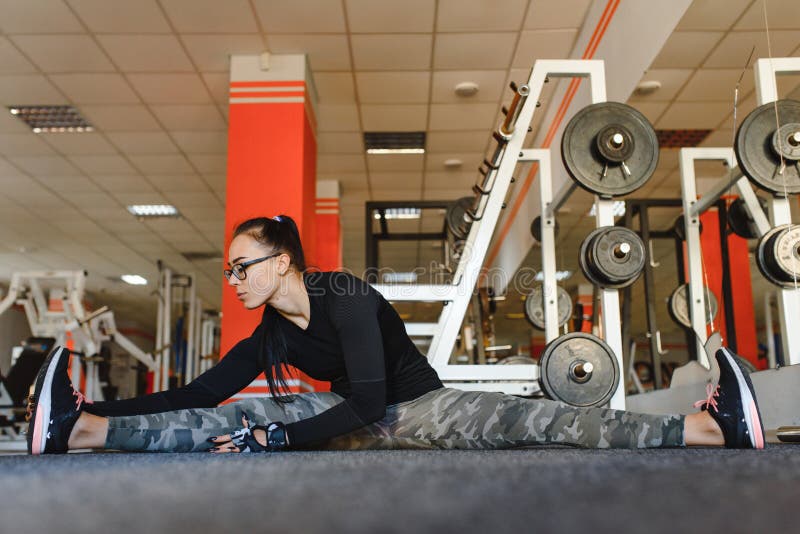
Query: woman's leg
point(454, 419)
point(188, 430)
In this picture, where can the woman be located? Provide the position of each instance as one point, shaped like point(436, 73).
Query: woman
point(335, 327)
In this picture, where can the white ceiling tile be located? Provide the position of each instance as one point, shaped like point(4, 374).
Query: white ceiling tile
point(143, 142)
point(464, 141)
point(336, 143)
point(76, 184)
point(735, 48)
point(161, 164)
point(325, 52)
point(102, 165)
point(439, 194)
point(11, 61)
point(473, 50)
point(45, 165)
point(330, 163)
point(347, 180)
point(393, 194)
point(11, 124)
point(671, 81)
point(125, 184)
point(400, 118)
point(278, 16)
point(686, 49)
point(146, 53)
point(335, 87)
point(651, 110)
point(701, 115)
point(126, 118)
point(133, 198)
point(218, 182)
point(393, 87)
point(569, 14)
point(781, 14)
point(212, 52)
point(712, 14)
point(490, 85)
point(64, 53)
point(202, 142)
point(338, 118)
point(71, 144)
point(95, 88)
point(409, 16)
point(190, 117)
point(479, 15)
point(541, 44)
point(395, 162)
point(24, 144)
point(463, 116)
point(121, 16)
point(718, 138)
point(83, 199)
point(396, 180)
point(37, 16)
point(209, 163)
point(218, 83)
point(170, 88)
point(196, 200)
point(27, 89)
point(469, 160)
point(715, 84)
point(176, 183)
point(458, 182)
point(210, 16)
point(392, 52)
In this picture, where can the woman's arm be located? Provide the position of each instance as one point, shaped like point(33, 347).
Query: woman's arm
point(355, 317)
point(236, 370)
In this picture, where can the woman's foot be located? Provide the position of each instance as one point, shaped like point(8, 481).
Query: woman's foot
point(732, 405)
point(56, 406)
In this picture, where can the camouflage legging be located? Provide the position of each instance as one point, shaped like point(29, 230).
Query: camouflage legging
point(441, 419)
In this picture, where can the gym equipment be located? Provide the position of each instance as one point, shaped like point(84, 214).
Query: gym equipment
point(778, 255)
point(679, 228)
point(678, 306)
point(768, 156)
point(457, 221)
point(609, 149)
point(579, 369)
point(789, 434)
point(612, 257)
point(534, 307)
point(536, 228)
point(740, 221)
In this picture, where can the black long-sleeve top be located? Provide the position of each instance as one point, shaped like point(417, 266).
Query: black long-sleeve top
point(354, 339)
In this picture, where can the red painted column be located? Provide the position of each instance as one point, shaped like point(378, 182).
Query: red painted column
point(272, 153)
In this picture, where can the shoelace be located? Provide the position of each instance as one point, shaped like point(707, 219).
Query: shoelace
point(80, 400)
point(711, 393)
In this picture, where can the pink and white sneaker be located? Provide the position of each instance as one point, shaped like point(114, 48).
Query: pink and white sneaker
point(56, 405)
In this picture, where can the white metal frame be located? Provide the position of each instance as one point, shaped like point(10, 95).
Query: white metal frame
point(780, 214)
point(516, 379)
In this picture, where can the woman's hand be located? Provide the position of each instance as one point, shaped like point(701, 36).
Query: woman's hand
point(251, 439)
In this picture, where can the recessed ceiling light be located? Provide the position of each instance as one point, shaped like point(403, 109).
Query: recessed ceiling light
point(134, 279)
point(154, 210)
point(394, 142)
point(400, 213)
point(453, 163)
point(52, 119)
point(466, 89)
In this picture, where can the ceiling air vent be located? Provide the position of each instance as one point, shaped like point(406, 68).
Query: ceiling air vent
point(681, 138)
point(41, 119)
point(202, 256)
point(394, 142)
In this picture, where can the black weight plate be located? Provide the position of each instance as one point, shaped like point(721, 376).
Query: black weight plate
point(605, 263)
point(536, 228)
point(517, 359)
point(558, 377)
point(457, 221)
point(740, 221)
point(534, 307)
point(599, 166)
point(758, 148)
point(778, 257)
point(678, 305)
point(678, 227)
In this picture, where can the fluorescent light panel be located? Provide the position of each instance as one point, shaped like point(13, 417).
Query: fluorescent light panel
point(153, 210)
point(52, 119)
point(394, 142)
point(400, 213)
point(134, 279)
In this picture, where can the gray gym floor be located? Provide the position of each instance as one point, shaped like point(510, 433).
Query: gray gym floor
point(531, 490)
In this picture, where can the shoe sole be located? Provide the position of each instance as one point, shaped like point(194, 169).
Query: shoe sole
point(749, 406)
point(41, 411)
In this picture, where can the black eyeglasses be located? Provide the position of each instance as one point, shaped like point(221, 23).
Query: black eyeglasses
point(239, 270)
